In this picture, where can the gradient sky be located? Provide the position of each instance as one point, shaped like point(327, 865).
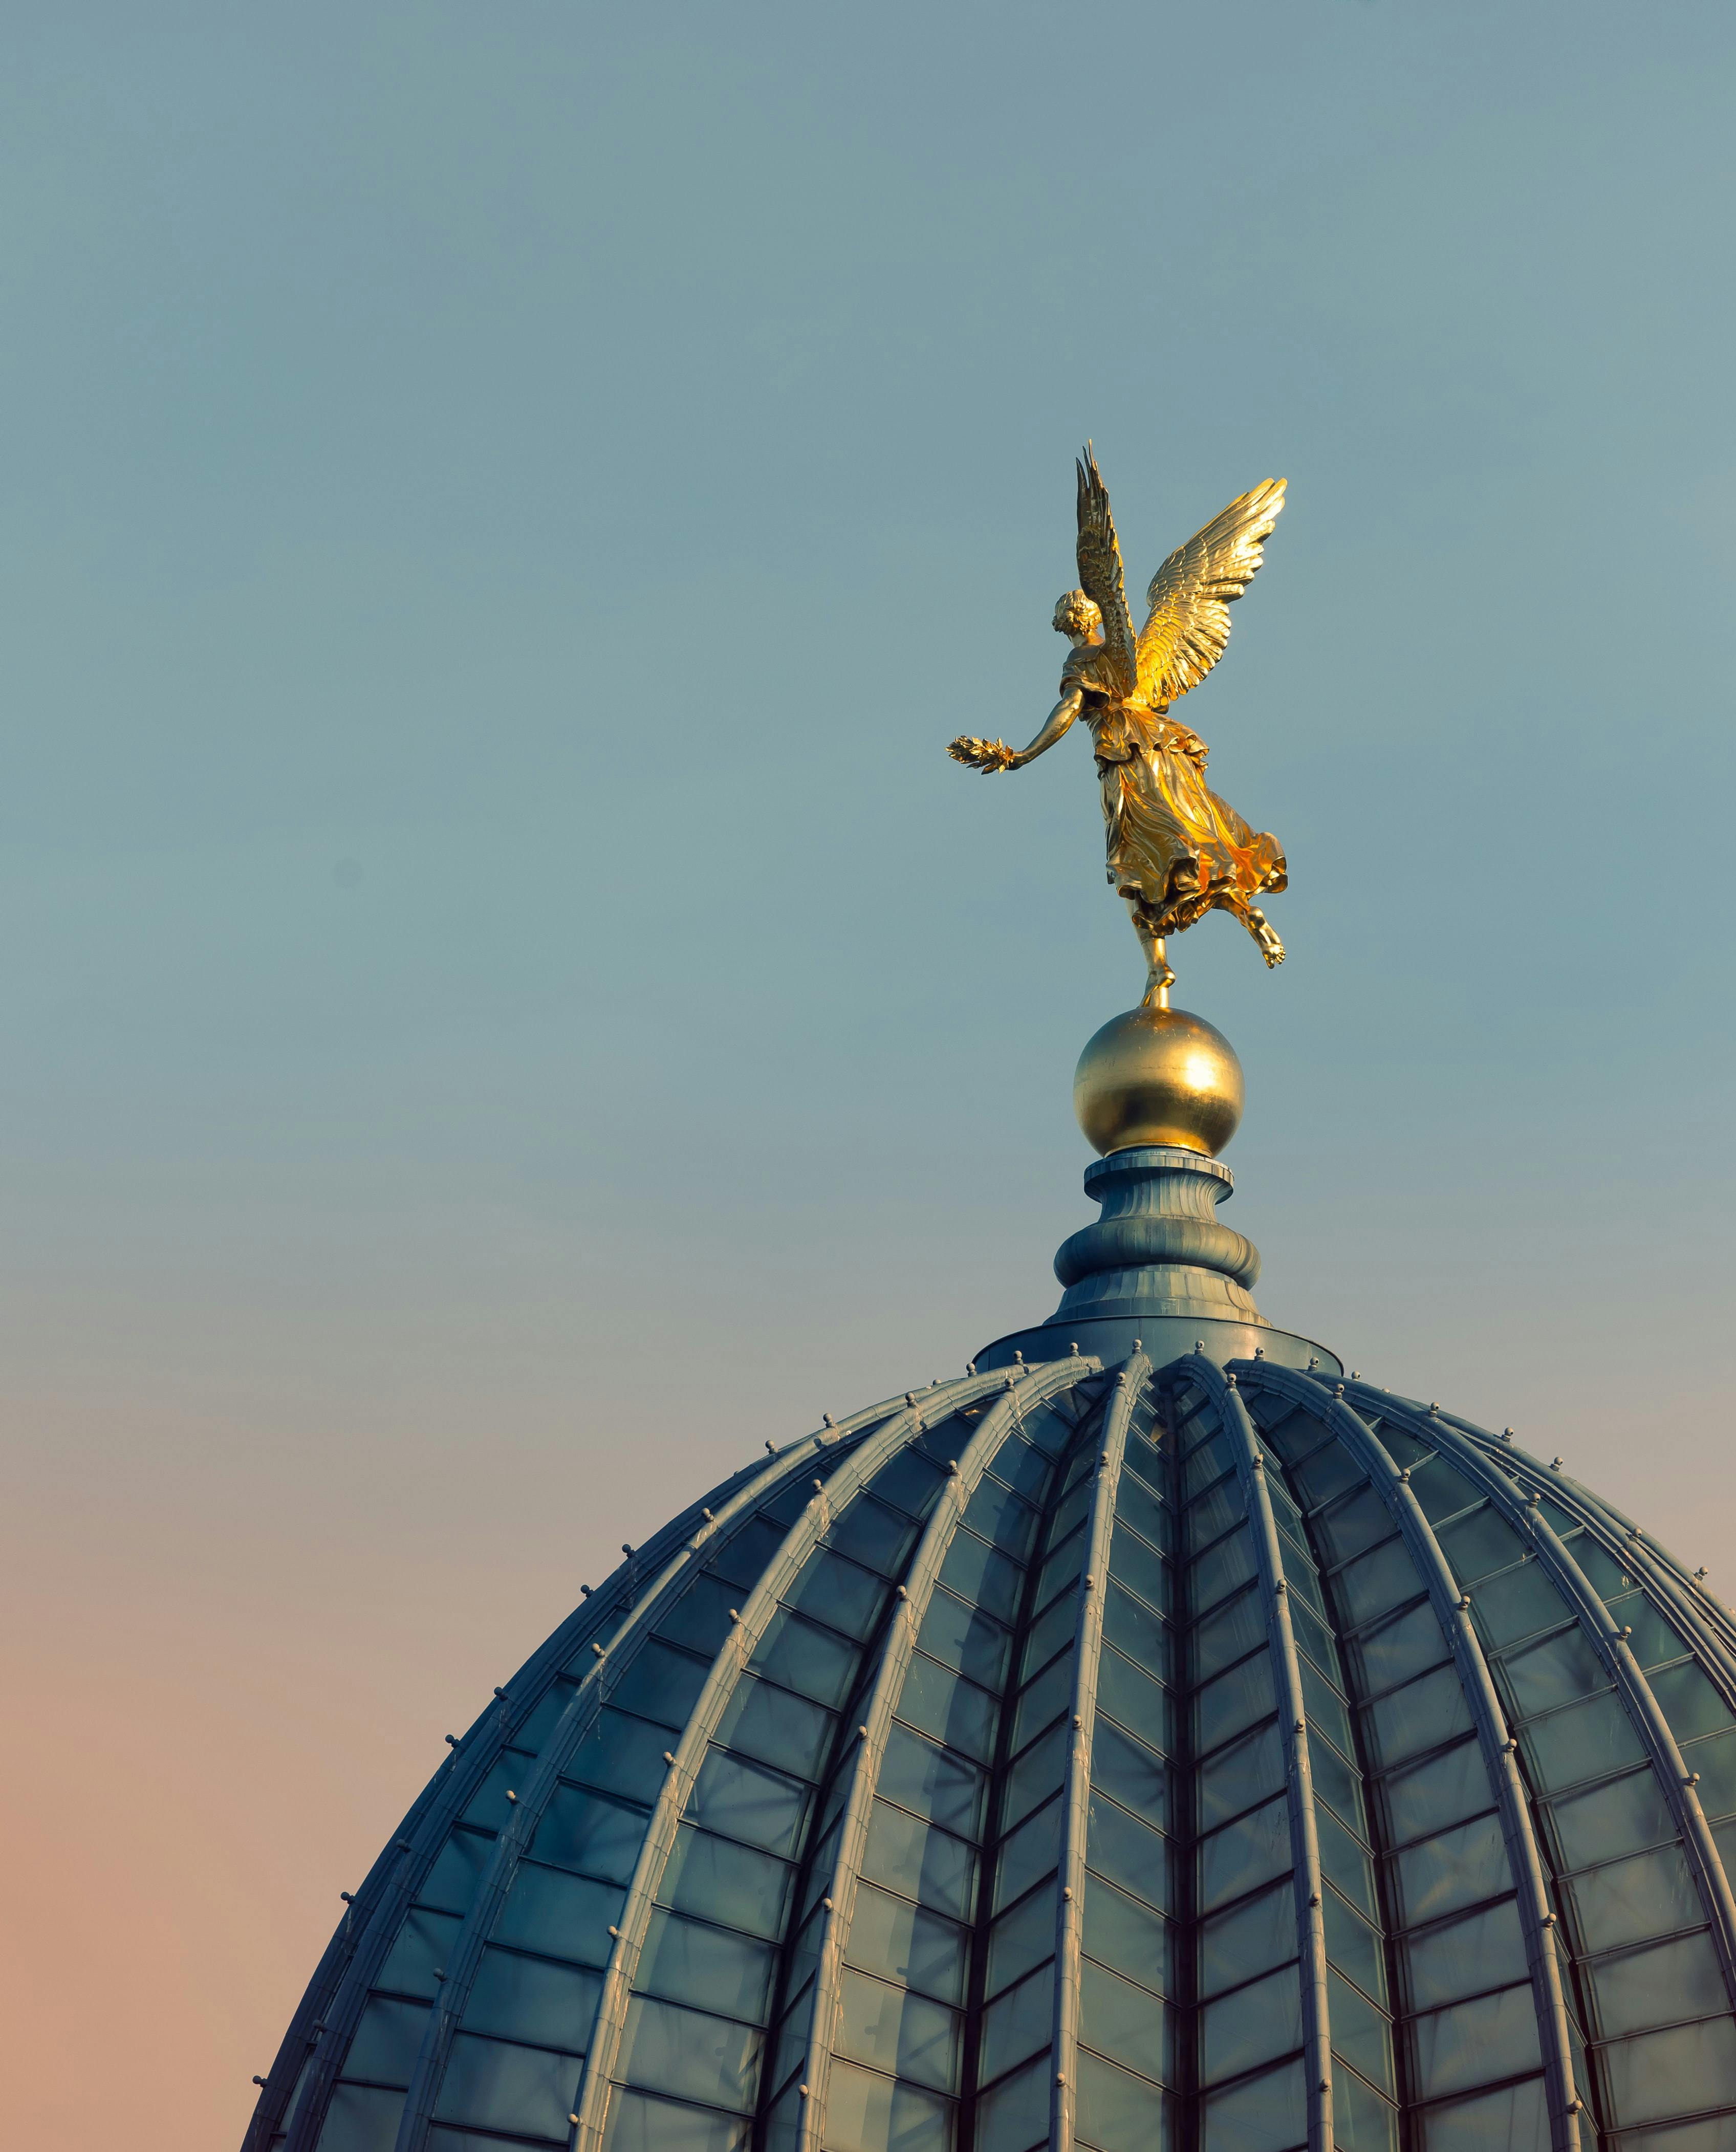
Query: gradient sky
point(508, 1004)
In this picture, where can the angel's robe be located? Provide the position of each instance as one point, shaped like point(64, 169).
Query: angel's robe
point(1170, 839)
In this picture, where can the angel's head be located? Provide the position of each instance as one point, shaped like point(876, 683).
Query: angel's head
point(1077, 617)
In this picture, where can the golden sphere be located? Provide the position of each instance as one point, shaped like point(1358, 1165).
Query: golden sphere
point(1158, 1076)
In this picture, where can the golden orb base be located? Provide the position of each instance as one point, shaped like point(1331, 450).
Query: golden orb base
point(1158, 1076)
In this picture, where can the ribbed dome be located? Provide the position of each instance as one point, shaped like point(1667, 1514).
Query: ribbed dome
point(1112, 1751)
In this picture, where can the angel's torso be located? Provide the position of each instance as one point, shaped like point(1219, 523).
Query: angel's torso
point(1122, 728)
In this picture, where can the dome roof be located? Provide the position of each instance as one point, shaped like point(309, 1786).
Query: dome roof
point(1156, 1739)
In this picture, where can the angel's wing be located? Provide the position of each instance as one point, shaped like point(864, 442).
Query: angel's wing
point(1099, 558)
point(1191, 594)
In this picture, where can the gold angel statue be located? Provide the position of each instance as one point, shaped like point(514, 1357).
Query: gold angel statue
point(1176, 851)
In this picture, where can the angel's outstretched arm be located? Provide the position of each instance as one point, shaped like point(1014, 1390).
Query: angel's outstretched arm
point(989, 755)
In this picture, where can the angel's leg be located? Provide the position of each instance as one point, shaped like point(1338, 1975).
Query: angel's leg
point(1159, 977)
point(1256, 921)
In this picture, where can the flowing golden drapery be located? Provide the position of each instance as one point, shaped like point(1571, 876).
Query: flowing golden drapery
point(1169, 838)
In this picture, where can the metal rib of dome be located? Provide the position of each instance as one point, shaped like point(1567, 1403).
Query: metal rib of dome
point(1150, 1747)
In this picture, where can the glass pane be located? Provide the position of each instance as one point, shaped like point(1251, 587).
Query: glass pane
point(1351, 1526)
point(559, 1915)
point(1044, 1699)
point(1020, 2022)
point(1129, 1625)
point(1479, 1545)
point(1133, 1564)
point(810, 1660)
point(1234, 1700)
point(1360, 2033)
point(1353, 1947)
point(1229, 1634)
point(421, 1948)
point(1518, 1603)
point(1264, 2115)
point(1116, 2111)
point(839, 1593)
point(1313, 1637)
point(1630, 1900)
point(690, 2053)
point(1137, 1506)
point(1003, 1519)
point(498, 2086)
point(769, 1723)
point(1480, 1952)
point(1049, 1633)
point(1427, 1797)
point(1678, 2073)
point(1560, 1669)
point(1324, 1710)
point(724, 1882)
point(712, 1969)
point(1342, 1860)
point(1242, 1855)
point(661, 1683)
point(1251, 1940)
point(981, 1577)
point(889, 1935)
point(527, 1999)
point(744, 1557)
point(1036, 1774)
point(1660, 1985)
point(1337, 1783)
point(962, 1637)
point(954, 1711)
point(1125, 1935)
point(638, 2123)
point(1216, 1574)
point(1238, 1777)
point(1421, 1715)
point(1468, 2043)
point(1128, 1852)
point(1583, 1741)
point(1022, 1468)
point(1062, 1567)
point(1458, 1868)
point(1618, 1818)
point(1123, 2022)
point(893, 2030)
point(922, 1777)
point(1393, 1653)
point(1375, 1582)
point(1715, 1760)
point(869, 2113)
point(1514, 2119)
point(1128, 1773)
point(451, 1882)
point(873, 1535)
point(1253, 2025)
point(910, 1481)
point(1362, 2120)
point(1028, 1852)
point(1015, 2113)
point(620, 1755)
point(1327, 1472)
point(1133, 1699)
point(1654, 1641)
point(1690, 1702)
point(383, 2049)
point(361, 2120)
point(1021, 1939)
point(911, 1857)
point(747, 1801)
point(700, 1617)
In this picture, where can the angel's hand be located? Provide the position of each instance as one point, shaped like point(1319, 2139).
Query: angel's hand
point(984, 754)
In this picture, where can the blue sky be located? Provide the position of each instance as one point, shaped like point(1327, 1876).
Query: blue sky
point(508, 1001)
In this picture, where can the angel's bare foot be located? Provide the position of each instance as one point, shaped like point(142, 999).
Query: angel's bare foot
point(1268, 943)
point(1159, 980)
